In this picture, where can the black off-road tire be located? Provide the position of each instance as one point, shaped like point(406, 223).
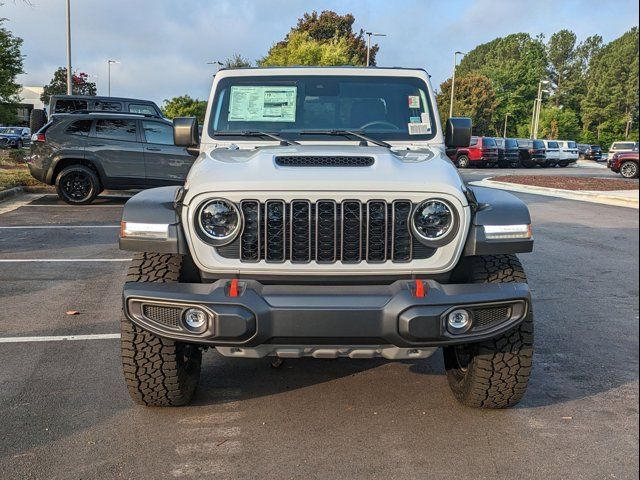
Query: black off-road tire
point(158, 372)
point(37, 120)
point(83, 194)
point(629, 169)
point(563, 163)
point(463, 161)
point(493, 373)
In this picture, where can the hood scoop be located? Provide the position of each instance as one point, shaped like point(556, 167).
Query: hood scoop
point(323, 161)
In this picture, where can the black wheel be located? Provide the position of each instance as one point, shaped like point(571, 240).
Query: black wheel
point(515, 164)
point(493, 373)
point(629, 169)
point(77, 185)
point(37, 120)
point(563, 163)
point(19, 145)
point(463, 161)
point(158, 372)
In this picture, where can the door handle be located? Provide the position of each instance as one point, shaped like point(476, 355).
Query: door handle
point(154, 149)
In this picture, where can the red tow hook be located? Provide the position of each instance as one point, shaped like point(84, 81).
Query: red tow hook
point(420, 289)
point(233, 288)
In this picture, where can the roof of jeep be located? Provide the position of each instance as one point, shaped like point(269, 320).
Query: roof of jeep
point(335, 68)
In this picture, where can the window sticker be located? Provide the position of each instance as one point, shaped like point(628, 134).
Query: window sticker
point(415, 120)
point(262, 104)
point(423, 127)
point(414, 101)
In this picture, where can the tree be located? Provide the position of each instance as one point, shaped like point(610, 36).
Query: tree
point(514, 64)
point(237, 61)
point(10, 68)
point(474, 98)
point(184, 106)
point(80, 85)
point(325, 37)
point(559, 123)
point(611, 100)
point(301, 49)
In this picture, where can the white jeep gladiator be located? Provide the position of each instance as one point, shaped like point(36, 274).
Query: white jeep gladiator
point(323, 218)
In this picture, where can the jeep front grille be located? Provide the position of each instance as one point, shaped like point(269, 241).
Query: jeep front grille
point(326, 231)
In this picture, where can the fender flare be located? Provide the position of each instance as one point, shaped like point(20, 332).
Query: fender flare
point(156, 207)
point(497, 207)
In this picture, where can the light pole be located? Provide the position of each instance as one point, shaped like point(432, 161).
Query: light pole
point(506, 118)
point(369, 35)
point(453, 82)
point(216, 62)
point(69, 74)
point(109, 63)
point(535, 120)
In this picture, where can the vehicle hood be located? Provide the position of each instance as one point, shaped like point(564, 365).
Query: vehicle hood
point(424, 169)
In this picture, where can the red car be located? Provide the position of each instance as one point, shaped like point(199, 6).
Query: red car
point(482, 151)
point(626, 164)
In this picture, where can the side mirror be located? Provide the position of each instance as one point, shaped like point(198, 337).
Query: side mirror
point(458, 132)
point(185, 132)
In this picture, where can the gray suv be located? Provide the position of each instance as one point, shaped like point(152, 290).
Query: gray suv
point(83, 154)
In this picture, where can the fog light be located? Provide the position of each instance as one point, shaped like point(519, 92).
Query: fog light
point(459, 321)
point(195, 319)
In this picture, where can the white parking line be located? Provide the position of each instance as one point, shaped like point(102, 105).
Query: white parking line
point(24, 227)
point(60, 338)
point(70, 260)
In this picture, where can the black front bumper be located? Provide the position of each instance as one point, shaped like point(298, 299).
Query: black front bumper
point(392, 314)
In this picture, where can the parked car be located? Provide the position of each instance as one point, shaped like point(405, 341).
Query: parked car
point(594, 152)
point(532, 153)
point(622, 147)
point(14, 137)
point(508, 155)
point(626, 164)
point(481, 152)
point(553, 152)
point(582, 149)
point(84, 154)
point(66, 104)
point(568, 152)
point(308, 234)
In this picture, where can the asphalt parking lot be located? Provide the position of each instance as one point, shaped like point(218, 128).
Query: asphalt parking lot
point(66, 413)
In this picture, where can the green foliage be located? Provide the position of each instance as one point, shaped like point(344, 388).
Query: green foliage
point(612, 94)
point(10, 68)
point(237, 61)
point(514, 64)
point(301, 49)
point(323, 39)
point(474, 98)
point(559, 124)
point(184, 106)
point(80, 85)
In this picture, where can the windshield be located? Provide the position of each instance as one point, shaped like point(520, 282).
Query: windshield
point(383, 108)
point(538, 144)
point(573, 145)
point(11, 131)
point(553, 145)
point(511, 143)
point(488, 142)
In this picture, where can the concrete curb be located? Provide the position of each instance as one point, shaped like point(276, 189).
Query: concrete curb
point(10, 192)
point(604, 198)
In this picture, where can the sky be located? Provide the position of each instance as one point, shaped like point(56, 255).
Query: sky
point(163, 46)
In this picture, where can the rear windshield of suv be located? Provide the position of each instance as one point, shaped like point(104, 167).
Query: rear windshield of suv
point(385, 108)
point(553, 145)
point(538, 144)
point(572, 144)
point(624, 146)
point(511, 143)
point(489, 142)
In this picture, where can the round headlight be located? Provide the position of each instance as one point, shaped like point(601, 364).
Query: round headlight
point(219, 220)
point(433, 220)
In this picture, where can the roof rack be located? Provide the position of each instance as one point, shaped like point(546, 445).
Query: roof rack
point(106, 112)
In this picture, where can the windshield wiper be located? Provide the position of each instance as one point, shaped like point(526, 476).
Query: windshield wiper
point(346, 133)
point(251, 133)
